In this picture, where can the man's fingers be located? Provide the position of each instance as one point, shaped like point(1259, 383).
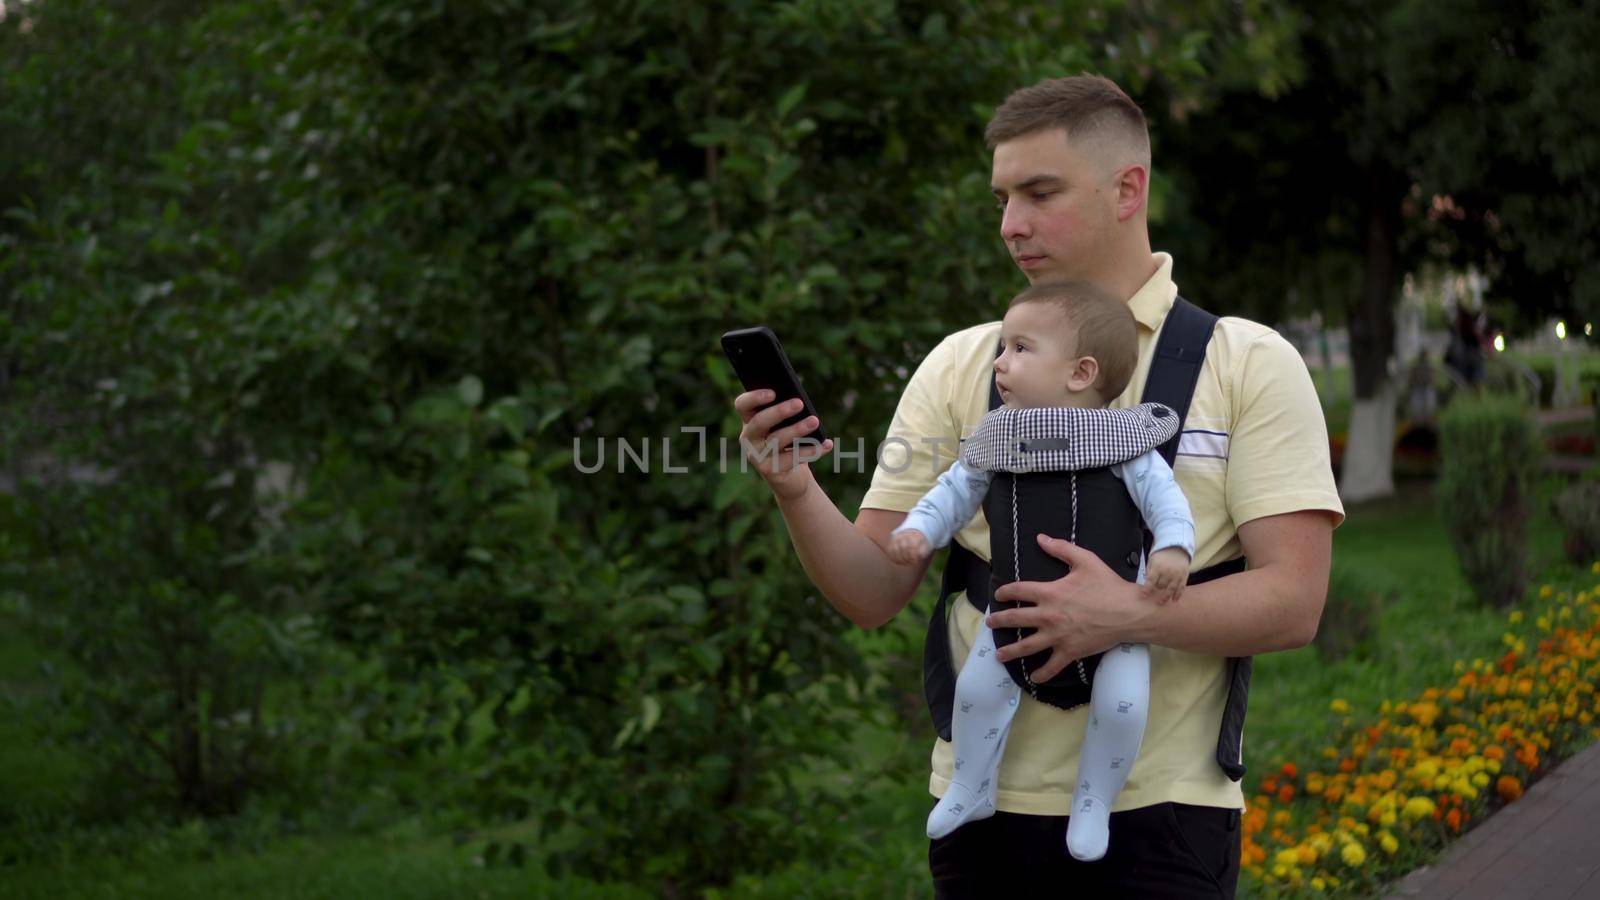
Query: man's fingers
point(768, 418)
point(748, 402)
point(1017, 592)
point(779, 450)
point(783, 437)
point(1049, 670)
point(1066, 551)
point(1028, 646)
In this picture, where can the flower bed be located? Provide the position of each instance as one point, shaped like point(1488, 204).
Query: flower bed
point(1397, 784)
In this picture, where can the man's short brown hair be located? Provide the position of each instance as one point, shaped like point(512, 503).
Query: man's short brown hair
point(1103, 327)
point(1088, 107)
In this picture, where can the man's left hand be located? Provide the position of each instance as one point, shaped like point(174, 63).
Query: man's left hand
point(1089, 610)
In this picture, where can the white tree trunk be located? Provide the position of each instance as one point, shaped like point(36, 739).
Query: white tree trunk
point(1368, 470)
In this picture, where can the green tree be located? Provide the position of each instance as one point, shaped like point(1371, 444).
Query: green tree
point(344, 318)
point(1407, 138)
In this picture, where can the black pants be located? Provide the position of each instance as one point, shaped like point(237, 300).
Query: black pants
point(1165, 850)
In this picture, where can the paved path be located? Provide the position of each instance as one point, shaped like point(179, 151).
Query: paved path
point(1546, 845)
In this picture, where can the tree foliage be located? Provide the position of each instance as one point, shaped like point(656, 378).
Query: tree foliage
point(331, 293)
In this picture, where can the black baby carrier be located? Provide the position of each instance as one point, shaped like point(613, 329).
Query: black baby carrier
point(1050, 470)
point(1046, 505)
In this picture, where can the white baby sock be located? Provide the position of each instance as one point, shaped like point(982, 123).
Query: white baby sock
point(957, 807)
point(986, 700)
point(1088, 829)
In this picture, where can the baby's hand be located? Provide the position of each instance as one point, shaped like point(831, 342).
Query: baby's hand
point(1166, 574)
point(909, 547)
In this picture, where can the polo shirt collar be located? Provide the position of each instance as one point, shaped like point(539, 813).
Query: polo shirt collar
point(1152, 302)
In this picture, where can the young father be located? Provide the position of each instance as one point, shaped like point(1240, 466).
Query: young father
point(1071, 175)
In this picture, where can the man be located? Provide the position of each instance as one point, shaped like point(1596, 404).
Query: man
point(1071, 172)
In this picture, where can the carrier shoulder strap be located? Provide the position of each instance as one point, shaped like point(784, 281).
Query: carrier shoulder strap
point(1175, 367)
point(1174, 372)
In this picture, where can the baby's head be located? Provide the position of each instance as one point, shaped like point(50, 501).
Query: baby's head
point(1066, 344)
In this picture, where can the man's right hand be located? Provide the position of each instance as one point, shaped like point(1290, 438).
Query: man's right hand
point(786, 471)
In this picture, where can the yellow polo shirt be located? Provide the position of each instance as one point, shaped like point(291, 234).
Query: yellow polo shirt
point(1254, 444)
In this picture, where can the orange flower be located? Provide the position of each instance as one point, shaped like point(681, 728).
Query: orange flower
point(1348, 764)
point(1508, 787)
point(1528, 755)
point(1286, 793)
point(1453, 820)
point(1289, 770)
point(1494, 752)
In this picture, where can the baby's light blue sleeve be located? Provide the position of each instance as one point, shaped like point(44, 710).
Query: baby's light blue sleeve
point(949, 505)
point(1155, 491)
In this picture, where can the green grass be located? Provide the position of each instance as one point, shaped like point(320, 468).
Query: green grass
point(1401, 544)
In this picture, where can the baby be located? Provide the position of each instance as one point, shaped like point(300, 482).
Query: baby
point(1064, 345)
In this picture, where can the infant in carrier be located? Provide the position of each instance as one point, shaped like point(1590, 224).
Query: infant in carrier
point(1067, 351)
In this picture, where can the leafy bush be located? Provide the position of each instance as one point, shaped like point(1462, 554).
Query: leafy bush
point(1490, 456)
point(1577, 508)
point(354, 279)
point(1352, 612)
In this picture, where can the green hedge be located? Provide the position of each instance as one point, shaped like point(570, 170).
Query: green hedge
point(1490, 455)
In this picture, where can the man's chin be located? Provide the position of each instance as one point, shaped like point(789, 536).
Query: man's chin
point(1045, 276)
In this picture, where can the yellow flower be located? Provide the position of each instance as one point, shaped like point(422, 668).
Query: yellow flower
point(1339, 706)
point(1424, 713)
point(1387, 819)
point(1289, 856)
point(1306, 855)
point(1545, 591)
point(1352, 854)
point(1480, 780)
point(1388, 843)
point(1516, 616)
point(1417, 808)
point(1317, 884)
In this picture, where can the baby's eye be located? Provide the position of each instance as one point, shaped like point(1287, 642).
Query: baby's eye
point(1020, 348)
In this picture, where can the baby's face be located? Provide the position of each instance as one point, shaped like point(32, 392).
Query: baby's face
point(1036, 366)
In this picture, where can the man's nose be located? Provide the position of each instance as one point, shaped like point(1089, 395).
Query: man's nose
point(1014, 223)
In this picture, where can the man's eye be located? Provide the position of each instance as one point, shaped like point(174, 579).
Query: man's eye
point(1044, 195)
point(999, 204)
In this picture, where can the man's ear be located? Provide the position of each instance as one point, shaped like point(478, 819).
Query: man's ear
point(1132, 185)
point(1084, 373)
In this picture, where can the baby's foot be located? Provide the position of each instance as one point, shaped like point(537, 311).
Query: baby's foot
point(957, 807)
point(1087, 828)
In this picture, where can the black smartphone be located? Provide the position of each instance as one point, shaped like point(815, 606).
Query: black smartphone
point(761, 364)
